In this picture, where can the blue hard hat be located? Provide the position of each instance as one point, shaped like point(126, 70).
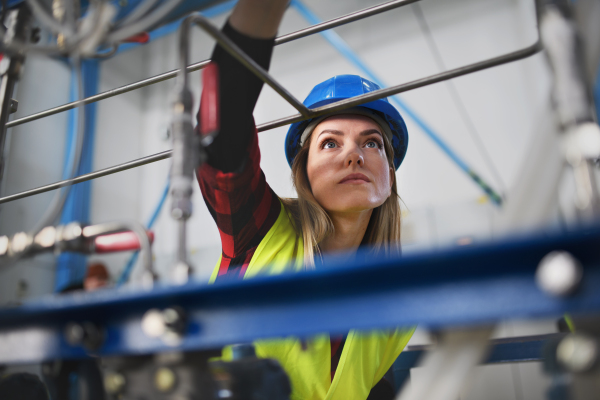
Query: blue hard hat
point(342, 87)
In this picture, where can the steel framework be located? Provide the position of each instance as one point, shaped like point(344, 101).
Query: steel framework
point(461, 287)
point(458, 287)
point(303, 112)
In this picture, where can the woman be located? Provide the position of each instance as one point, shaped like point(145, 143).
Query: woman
point(343, 170)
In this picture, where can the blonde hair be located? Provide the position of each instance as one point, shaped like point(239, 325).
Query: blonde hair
point(314, 224)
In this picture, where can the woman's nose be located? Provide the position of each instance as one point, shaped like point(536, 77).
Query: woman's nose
point(354, 157)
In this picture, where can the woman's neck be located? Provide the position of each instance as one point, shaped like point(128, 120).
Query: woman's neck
point(349, 231)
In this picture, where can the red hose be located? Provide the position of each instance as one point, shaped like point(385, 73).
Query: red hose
point(123, 241)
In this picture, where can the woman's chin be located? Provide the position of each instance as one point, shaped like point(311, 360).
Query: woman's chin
point(349, 206)
point(356, 199)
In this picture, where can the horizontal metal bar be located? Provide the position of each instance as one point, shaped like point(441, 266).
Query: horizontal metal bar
point(92, 175)
point(346, 19)
point(463, 286)
point(199, 65)
point(105, 95)
point(338, 106)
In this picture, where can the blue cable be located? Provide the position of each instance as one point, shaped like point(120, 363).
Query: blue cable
point(340, 45)
point(129, 266)
point(173, 26)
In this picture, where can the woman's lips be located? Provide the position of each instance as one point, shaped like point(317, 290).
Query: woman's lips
point(355, 178)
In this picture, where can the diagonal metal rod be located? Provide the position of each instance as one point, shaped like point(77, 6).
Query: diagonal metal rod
point(338, 106)
point(247, 62)
point(367, 12)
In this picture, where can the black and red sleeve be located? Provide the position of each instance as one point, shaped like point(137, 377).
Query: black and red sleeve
point(233, 186)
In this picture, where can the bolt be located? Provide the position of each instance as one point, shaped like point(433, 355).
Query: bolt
point(174, 318)
point(559, 273)
point(87, 334)
point(4, 245)
point(577, 352)
point(35, 35)
point(20, 242)
point(175, 322)
point(72, 231)
point(177, 213)
point(114, 383)
point(225, 394)
point(74, 334)
point(168, 324)
point(153, 324)
point(46, 237)
point(164, 379)
point(14, 106)
point(181, 273)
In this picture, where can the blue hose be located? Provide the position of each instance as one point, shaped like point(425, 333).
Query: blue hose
point(129, 266)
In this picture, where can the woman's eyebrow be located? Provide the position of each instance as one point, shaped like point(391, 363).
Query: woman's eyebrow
point(332, 131)
point(369, 132)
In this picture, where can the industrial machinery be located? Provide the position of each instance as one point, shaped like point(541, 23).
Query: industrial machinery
point(157, 342)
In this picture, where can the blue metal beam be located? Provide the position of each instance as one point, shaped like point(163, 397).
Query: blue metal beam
point(71, 267)
point(459, 286)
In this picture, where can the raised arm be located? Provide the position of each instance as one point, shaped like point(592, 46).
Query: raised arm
point(258, 18)
point(234, 188)
point(252, 26)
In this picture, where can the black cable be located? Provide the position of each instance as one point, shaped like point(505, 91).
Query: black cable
point(3, 15)
point(456, 97)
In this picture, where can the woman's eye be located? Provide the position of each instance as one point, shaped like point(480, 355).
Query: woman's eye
point(371, 144)
point(328, 145)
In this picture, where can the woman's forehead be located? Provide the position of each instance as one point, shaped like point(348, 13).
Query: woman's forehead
point(344, 122)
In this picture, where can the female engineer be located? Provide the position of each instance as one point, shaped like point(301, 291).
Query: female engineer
point(343, 168)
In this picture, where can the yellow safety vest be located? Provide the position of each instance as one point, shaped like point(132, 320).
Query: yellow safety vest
point(366, 356)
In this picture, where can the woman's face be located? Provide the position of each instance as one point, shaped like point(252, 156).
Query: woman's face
point(347, 166)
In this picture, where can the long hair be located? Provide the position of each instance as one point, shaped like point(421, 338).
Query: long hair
point(314, 224)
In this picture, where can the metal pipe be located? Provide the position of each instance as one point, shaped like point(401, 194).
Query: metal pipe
point(87, 177)
point(105, 95)
point(199, 65)
point(91, 231)
point(185, 153)
point(338, 106)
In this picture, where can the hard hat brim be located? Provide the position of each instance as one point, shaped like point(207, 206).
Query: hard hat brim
point(382, 107)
